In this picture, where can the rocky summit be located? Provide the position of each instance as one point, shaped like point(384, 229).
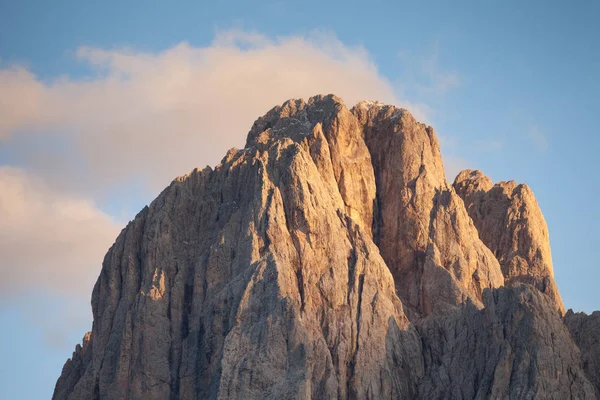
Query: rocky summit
point(331, 259)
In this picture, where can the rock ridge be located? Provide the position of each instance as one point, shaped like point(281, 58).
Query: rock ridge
point(511, 224)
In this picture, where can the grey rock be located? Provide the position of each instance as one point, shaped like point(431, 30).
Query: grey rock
point(515, 348)
point(327, 259)
point(585, 330)
point(254, 280)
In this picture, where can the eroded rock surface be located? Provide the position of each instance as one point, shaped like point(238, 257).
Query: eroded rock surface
point(515, 348)
point(327, 259)
point(585, 330)
point(256, 279)
point(511, 224)
point(421, 227)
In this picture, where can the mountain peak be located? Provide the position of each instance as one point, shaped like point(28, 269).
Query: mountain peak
point(329, 259)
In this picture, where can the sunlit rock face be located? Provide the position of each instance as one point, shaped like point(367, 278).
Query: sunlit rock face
point(421, 226)
point(327, 259)
point(511, 224)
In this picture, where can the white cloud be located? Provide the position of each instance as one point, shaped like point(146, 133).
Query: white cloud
point(19, 98)
point(156, 116)
point(49, 241)
point(51, 249)
point(143, 118)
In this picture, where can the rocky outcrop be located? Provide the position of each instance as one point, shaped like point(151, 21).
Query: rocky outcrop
point(585, 330)
point(515, 348)
point(256, 279)
point(421, 227)
point(74, 368)
point(327, 259)
point(511, 224)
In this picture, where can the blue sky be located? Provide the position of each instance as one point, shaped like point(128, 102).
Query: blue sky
point(103, 104)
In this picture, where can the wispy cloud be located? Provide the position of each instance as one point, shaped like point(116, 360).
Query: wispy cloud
point(142, 117)
point(51, 247)
point(453, 165)
point(184, 106)
point(49, 240)
point(452, 147)
point(488, 145)
point(439, 81)
point(424, 75)
point(538, 138)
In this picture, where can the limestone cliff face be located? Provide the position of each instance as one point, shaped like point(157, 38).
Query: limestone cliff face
point(256, 279)
point(515, 348)
point(511, 224)
point(421, 227)
point(585, 330)
point(327, 259)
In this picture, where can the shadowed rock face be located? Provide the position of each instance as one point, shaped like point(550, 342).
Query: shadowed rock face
point(515, 348)
point(328, 259)
point(511, 224)
point(585, 330)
